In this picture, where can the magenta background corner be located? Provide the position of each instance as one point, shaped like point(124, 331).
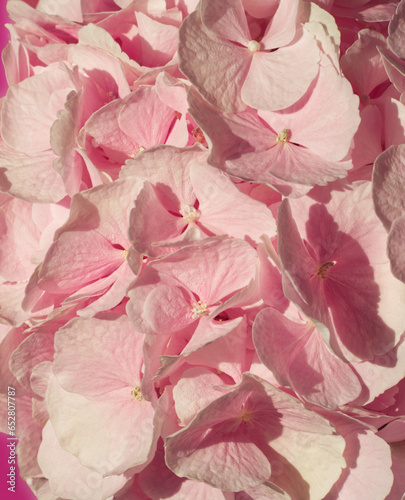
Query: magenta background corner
point(4, 38)
point(22, 490)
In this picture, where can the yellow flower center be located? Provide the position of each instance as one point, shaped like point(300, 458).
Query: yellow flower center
point(283, 135)
point(199, 309)
point(136, 393)
point(190, 213)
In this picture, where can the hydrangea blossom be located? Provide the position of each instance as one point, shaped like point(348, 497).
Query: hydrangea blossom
point(202, 226)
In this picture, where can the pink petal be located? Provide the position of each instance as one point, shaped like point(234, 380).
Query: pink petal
point(226, 20)
point(396, 248)
point(215, 66)
point(282, 26)
point(94, 356)
point(388, 179)
point(297, 355)
point(151, 222)
point(68, 477)
point(310, 126)
point(31, 107)
point(225, 210)
point(272, 81)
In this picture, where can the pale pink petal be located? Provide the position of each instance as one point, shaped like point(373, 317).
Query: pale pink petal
point(71, 11)
point(396, 30)
point(196, 389)
point(226, 19)
point(11, 298)
point(35, 349)
point(168, 308)
point(278, 79)
point(224, 210)
point(362, 64)
point(282, 25)
point(256, 412)
point(355, 286)
point(31, 107)
point(308, 123)
point(297, 355)
point(123, 277)
point(30, 177)
point(215, 66)
point(72, 262)
point(156, 118)
point(85, 366)
point(260, 8)
point(231, 464)
point(167, 169)
point(15, 58)
point(158, 41)
point(102, 428)
point(68, 477)
point(368, 466)
point(151, 222)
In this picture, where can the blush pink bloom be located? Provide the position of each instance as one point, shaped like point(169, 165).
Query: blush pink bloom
point(266, 64)
point(91, 254)
point(26, 232)
point(264, 428)
point(27, 114)
point(67, 477)
point(335, 256)
point(192, 284)
point(185, 198)
point(291, 149)
point(294, 350)
point(97, 370)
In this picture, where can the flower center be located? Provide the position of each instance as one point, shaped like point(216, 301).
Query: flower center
point(283, 135)
point(323, 270)
point(199, 309)
point(136, 393)
point(190, 213)
point(253, 46)
point(245, 415)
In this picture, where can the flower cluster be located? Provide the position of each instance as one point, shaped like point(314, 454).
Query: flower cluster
point(202, 260)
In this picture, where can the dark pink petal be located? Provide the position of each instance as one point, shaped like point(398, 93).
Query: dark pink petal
point(396, 248)
point(396, 30)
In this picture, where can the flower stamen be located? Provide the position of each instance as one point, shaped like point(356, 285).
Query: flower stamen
point(137, 393)
point(283, 135)
point(323, 270)
point(199, 309)
point(190, 213)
